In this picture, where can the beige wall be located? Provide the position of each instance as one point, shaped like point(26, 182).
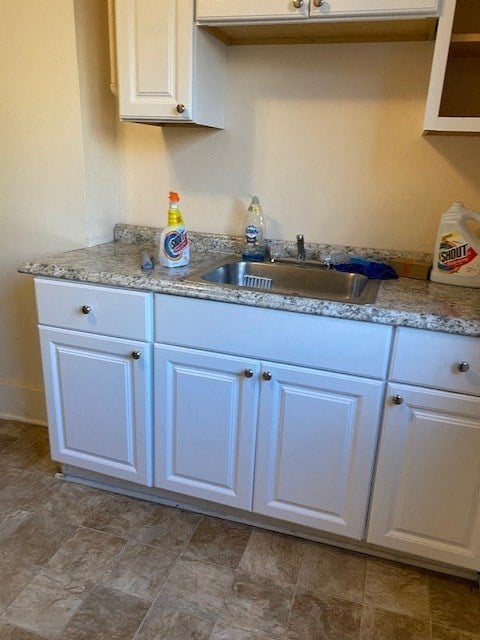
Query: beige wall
point(329, 137)
point(53, 196)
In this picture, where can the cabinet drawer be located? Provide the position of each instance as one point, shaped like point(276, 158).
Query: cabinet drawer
point(84, 307)
point(346, 346)
point(432, 359)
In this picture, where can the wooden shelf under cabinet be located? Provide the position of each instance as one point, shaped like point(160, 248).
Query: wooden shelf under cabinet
point(326, 32)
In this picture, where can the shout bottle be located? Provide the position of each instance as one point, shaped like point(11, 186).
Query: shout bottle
point(457, 251)
point(174, 246)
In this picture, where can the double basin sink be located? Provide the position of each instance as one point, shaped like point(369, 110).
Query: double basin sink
point(295, 278)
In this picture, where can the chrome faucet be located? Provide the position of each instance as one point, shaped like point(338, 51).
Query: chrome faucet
point(301, 255)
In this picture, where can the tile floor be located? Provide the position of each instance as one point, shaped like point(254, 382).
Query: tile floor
point(81, 564)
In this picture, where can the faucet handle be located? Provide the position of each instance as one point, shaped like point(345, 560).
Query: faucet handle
point(300, 247)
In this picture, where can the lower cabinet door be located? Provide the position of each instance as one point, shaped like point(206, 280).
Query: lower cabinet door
point(315, 448)
point(98, 402)
point(205, 422)
point(426, 498)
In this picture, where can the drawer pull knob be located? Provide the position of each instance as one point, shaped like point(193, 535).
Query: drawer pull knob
point(136, 355)
point(180, 108)
point(463, 367)
point(397, 399)
point(248, 373)
point(318, 3)
point(86, 309)
point(298, 4)
point(267, 375)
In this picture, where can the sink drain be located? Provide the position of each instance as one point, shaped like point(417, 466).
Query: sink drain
point(257, 282)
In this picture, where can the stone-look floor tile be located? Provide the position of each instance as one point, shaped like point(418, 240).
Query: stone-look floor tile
point(197, 587)
point(224, 632)
point(273, 555)
point(164, 622)
point(378, 623)
point(453, 604)
point(257, 604)
point(10, 428)
point(445, 633)
point(46, 465)
point(397, 588)
point(47, 603)
point(27, 490)
point(11, 632)
point(219, 541)
point(140, 570)
point(120, 515)
point(334, 571)
point(169, 528)
point(36, 540)
point(23, 454)
point(75, 502)
point(6, 440)
point(87, 554)
point(14, 577)
point(10, 521)
point(316, 616)
point(106, 615)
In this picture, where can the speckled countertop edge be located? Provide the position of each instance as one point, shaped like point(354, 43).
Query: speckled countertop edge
point(402, 302)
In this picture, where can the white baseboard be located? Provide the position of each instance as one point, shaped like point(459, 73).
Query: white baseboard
point(23, 404)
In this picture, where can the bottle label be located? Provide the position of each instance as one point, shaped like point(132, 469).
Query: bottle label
point(251, 234)
point(176, 242)
point(455, 255)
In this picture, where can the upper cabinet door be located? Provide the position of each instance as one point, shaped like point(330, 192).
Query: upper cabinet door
point(453, 103)
point(250, 10)
point(154, 52)
point(345, 9)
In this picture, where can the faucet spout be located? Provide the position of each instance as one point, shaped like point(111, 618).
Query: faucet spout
point(301, 255)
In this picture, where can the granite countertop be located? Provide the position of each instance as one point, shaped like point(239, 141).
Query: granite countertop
point(402, 302)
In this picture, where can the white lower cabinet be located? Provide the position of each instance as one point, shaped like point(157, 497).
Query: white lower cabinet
point(315, 444)
point(205, 424)
point(315, 449)
point(98, 402)
point(288, 429)
point(426, 498)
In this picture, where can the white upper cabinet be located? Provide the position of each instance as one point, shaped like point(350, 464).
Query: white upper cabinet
point(346, 9)
point(453, 103)
point(167, 70)
point(250, 10)
point(228, 11)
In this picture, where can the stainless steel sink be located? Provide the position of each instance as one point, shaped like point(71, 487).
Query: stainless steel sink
point(294, 280)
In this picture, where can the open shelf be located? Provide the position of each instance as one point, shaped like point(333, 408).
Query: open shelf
point(465, 45)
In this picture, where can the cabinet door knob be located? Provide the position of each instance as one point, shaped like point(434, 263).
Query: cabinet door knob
point(298, 4)
point(318, 3)
point(180, 107)
point(397, 399)
point(463, 367)
point(136, 355)
point(248, 373)
point(86, 309)
point(267, 375)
